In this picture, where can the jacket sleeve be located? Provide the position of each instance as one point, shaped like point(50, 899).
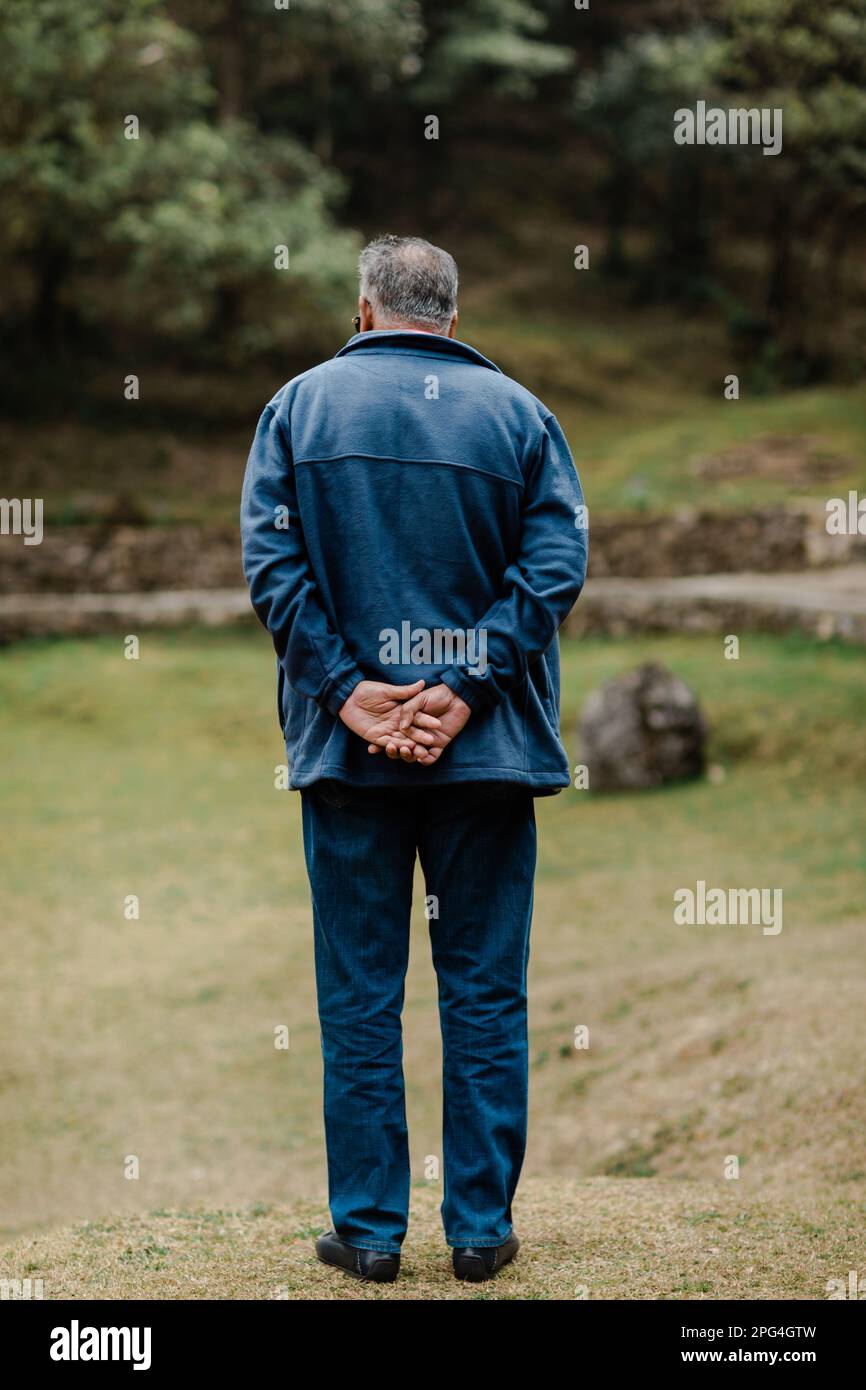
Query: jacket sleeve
point(281, 583)
point(542, 584)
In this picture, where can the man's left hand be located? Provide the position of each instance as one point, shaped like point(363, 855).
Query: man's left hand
point(373, 711)
point(439, 712)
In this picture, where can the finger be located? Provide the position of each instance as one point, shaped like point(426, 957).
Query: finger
point(402, 692)
point(410, 709)
point(388, 738)
point(413, 714)
point(373, 748)
point(391, 750)
point(407, 753)
point(418, 735)
point(424, 755)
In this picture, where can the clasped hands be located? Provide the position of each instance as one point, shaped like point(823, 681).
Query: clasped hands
point(411, 722)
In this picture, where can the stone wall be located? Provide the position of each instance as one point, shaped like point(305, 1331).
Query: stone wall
point(122, 560)
point(129, 559)
point(766, 540)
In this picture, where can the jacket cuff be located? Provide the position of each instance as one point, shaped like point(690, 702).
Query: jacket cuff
point(474, 690)
point(338, 694)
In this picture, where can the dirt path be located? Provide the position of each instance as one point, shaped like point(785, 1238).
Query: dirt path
point(71, 615)
point(825, 603)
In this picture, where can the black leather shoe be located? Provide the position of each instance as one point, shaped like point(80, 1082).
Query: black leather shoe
point(375, 1265)
point(476, 1263)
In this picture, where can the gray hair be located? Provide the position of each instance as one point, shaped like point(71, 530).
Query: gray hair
point(406, 280)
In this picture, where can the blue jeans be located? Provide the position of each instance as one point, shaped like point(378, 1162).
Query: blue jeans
point(476, 844)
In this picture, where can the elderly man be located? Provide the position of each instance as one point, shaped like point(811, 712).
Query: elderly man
point(413, 535)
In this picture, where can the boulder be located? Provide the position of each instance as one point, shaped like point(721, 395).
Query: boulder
point(643, 729)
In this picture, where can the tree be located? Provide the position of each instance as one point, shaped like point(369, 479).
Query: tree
point(628, 105)
point(810, 61)
point(496, 42)
point(308, 65)
point(800, 206)
point(167, 231)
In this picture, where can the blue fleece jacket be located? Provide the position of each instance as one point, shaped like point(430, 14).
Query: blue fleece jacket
point(409, 511)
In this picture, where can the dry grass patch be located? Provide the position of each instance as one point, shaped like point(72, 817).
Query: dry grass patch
point(599, 1239)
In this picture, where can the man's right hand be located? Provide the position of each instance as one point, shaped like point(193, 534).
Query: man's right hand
point(374, 711)
point(439, 704)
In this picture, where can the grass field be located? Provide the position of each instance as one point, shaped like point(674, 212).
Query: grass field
point(639, 394)
point(154, 1037)
point(599, 1238)
point(638, 445)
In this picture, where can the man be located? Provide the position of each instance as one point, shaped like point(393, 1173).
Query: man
point(413, 536)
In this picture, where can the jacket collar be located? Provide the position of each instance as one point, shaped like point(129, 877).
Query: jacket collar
point(403, 340)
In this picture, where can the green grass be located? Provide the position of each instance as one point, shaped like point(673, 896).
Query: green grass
point(154, 1037)
point(639, 390)
point(646, 461)
point(640, 398)
point(639, 394)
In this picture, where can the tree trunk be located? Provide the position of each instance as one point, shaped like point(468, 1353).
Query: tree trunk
point(323, 140)
point(232, 76)
point(52, 266)
point(685, 255)
point(780, 284)
point(617, 198)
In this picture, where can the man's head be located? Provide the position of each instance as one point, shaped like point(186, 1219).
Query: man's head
point(407, 283)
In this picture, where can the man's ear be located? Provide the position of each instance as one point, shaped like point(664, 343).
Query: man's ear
point(366, 314)
point(452, 327)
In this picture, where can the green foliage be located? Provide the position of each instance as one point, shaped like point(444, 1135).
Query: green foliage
point(628, 101)
point(256, 122)
point(807, 60)
point(205, 211)
point(811, 61)
point(496, 40)
point(306, 67)
point(170, 230)
point(379, 38)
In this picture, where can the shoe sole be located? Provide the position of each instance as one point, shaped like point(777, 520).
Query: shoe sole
point(474, 1271)
point(386, 1277)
